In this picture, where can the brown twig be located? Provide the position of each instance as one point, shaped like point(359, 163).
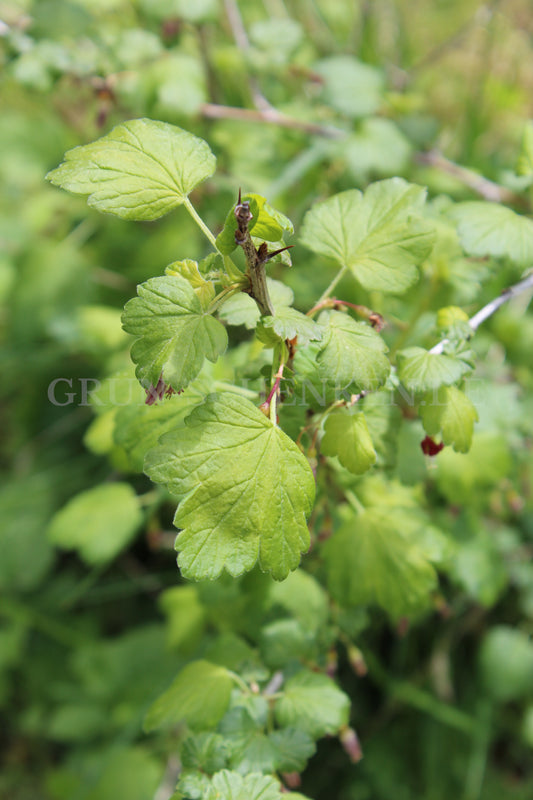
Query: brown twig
point(270, 116)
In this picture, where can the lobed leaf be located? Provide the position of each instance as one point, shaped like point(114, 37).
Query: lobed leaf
point(379, 235)
point(346, 436)
point(176, 335)
point(489, 229)
point(245, 490)
point(287, 323)
point(420, 370)
point(352, 355)
point(450, 412)
point(311, 702)
point(141, 170)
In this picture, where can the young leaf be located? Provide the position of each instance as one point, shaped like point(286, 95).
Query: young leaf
point(346, 436)
point(352, 355)
point(199, 696)
point(419, 370)
point(288, 323)
point(292, 748)
point(378, 235)
point(98, 523)
point(266, 224)
point(312, 703)
point(375, 558)
point(245, 486)
point(489, 229)
point(451, 412)
point(240, 309)
point(350, 86)
point(175, 333)
point(141, 170)
point(249, 749)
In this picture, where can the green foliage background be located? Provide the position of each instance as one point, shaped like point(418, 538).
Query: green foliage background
point(95, 620)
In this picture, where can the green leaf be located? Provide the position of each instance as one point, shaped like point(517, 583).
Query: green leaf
point(189, 270)
point(283, 641)
point(464, 479)
point(175, 333)
point(352, 355)
point(240, 309)
point(312, 703)
point(186, 616)
point(250, 750)
point(288, 323)
point(351, 87)
point(383, 419)
point(292, 749)
point(346, 436)
point(228, 785)
point(450, 412)
point(199, 696)
point(98, 523)
point(204, 751)
point(141, 170)
point(266, 224)
point(489, 229)
point(377, 148)
point(376, 558)
point(245, 487)
point(378, 235)
point(420, 370)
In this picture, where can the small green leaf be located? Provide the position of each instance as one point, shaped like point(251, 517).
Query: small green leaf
point(245, 487)
point(346, 436)
point(204, 751)
point(288, 323)
point(452, 413)
point(379, 235)
point(352, 355)
point(228, 785)
point(376, 558)
point(249, 749)
point(240, 309)
point(199, 696)
point(312, 703)
point(98, 523)
point(420, 370)
point(266, 224)
point(189, 270)
point(489, 229)
point(175, 333)
point(292, 749)
point(141, 170)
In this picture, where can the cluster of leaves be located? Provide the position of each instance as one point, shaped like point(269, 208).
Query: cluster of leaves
point(311, 525)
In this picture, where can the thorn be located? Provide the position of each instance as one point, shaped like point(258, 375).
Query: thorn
point(277, 252)
point(239, 200)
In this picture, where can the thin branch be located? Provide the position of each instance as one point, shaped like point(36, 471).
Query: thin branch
point(488, 310)
point(487, 189)
point(271, 116)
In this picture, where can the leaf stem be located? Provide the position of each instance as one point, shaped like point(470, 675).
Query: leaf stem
point(199, 221)
point(222, 296)
point(239, 681)
point(338, 277)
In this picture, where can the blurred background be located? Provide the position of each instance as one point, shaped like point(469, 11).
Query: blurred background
point(298, 99)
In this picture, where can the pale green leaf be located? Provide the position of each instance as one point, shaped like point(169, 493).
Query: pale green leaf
point(185, 616)
point(98, 523)
point(352, 356)
point(293, 748)
point(189, 270)
point(450, 412)
point(311, 702)
point(351, 87)
point(228, 785)
point(303, 597)
point(240, 309)
point(420, 370)
point(199, 697)
point(176, 335)
point(375, 558)
point(464, 479)
point(245, 487)
point(204, 751)
point(288, 323)
point(379, 235)
point(346, 436)
point(378, 148)
point(489, 229)
point(141, 170)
